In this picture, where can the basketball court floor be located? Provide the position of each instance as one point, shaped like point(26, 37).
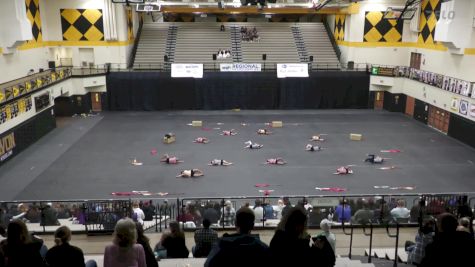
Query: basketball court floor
point(89, 158)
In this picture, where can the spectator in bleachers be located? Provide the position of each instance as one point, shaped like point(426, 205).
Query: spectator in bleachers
point(326, 225)
point(242, 248)
point(63, 254)
point(205, 240)
point(210, 213)
point(63, 212)
point(290, 244)
point(278, 209)
point(18, 250)
point(229, 214)
point(148, 210)
point(450, 247)
point(165, 209)
point(287, 206)
point(363, 215)
point(343, 211)
point(124, 252)
point(33, 215)
point(49, 216)
point(268, 211)
point(322, 252)
point(464, 225)
point(415, 212)
point(315, 216)
point(424, 236)
point(173, 242)
point(138, 214)
point(20, 212)
point(258, 211)
point(145, 242)
point(400, 213)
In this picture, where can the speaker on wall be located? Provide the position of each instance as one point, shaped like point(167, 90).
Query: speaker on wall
point(214, 56)
point(264, 56)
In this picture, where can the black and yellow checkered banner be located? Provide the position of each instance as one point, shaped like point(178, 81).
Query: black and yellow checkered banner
point(339, 31)
point(82, 24)
point(130, 25)
point(33, 15)
point(14, 109)
point(430, 12)
point(378, 29)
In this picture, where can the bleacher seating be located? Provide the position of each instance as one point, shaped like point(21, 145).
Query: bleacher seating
point(197, 42)
point(318, 45)
point(151, 47)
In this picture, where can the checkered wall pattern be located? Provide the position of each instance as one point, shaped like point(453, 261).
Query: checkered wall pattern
point(82, 24)
point(377, 29)
point(430, 12)
point(130, 25)
point(339, 31)
point(33, 15)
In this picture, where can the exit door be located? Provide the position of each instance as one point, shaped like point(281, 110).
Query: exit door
point(96, 102)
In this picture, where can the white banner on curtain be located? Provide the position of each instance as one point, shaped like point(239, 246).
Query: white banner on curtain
point(292, 70)
point(240, 67)
point(187, 70)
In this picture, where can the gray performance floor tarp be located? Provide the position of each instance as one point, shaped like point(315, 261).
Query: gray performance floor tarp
point(90, 158)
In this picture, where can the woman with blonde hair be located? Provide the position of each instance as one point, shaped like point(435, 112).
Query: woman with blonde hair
point(63, 254)
point(124, 252)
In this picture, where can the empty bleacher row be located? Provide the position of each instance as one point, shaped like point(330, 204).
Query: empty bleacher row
point(164, 43)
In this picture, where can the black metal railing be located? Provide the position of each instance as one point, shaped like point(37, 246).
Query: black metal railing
point(332, 39)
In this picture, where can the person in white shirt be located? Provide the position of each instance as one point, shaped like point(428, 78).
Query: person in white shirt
point(325, 225)
point(400, 212)
point(138, 212)
point(258, 211)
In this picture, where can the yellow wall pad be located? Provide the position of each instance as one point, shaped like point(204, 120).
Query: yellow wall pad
point(27, 46)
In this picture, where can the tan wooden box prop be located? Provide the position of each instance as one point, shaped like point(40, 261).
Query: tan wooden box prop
point(356, 137)
point(277, 124)
point(169, 140)
point(197, 123)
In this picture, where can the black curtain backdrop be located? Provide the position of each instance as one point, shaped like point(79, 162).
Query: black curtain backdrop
point(462, 129)
point(218, 90)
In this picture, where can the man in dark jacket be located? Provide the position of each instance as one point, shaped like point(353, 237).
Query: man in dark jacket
point(450, 247)
point(242, 248)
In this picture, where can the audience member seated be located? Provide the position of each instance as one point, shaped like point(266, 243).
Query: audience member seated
point(50, 216)
point(205, 240)
point(326, 225)
point(145, 242)
point(343, 212)
point(242, 248)
point(229, 214)
point(268, 211)
point(363, 215)
point(148, 210)
point(322, 252)
point(424, 236)
point(464, 225)
point(249, 35)
point(290, 244)
point(210, 213)
point(173, 242)
point(287, 206)
point(63, 254)
point(138, 215)
point(278, 209)
point(124, 252)
point(258, 211)
point(450, 247)
point(315, 216)
point(223, 53)
point(400, 213)
point(18, 250)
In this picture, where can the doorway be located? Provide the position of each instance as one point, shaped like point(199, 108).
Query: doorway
point(96, 102)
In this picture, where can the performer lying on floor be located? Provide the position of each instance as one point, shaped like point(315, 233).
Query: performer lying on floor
point(251, 145)
point(201, 140)
point(264, 132)
point(230, 132)
point(136, 163)
point(374, 159)
point(317, 138)
point(170, 160)
point(344, 170)
point(311, 148)
point(219, 162)
point(190, 173)
point(276, 161)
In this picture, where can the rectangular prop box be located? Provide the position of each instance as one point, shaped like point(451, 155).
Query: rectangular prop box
point(197, 123)
point(277, 124)
point(356, 137)
point(169, 140)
